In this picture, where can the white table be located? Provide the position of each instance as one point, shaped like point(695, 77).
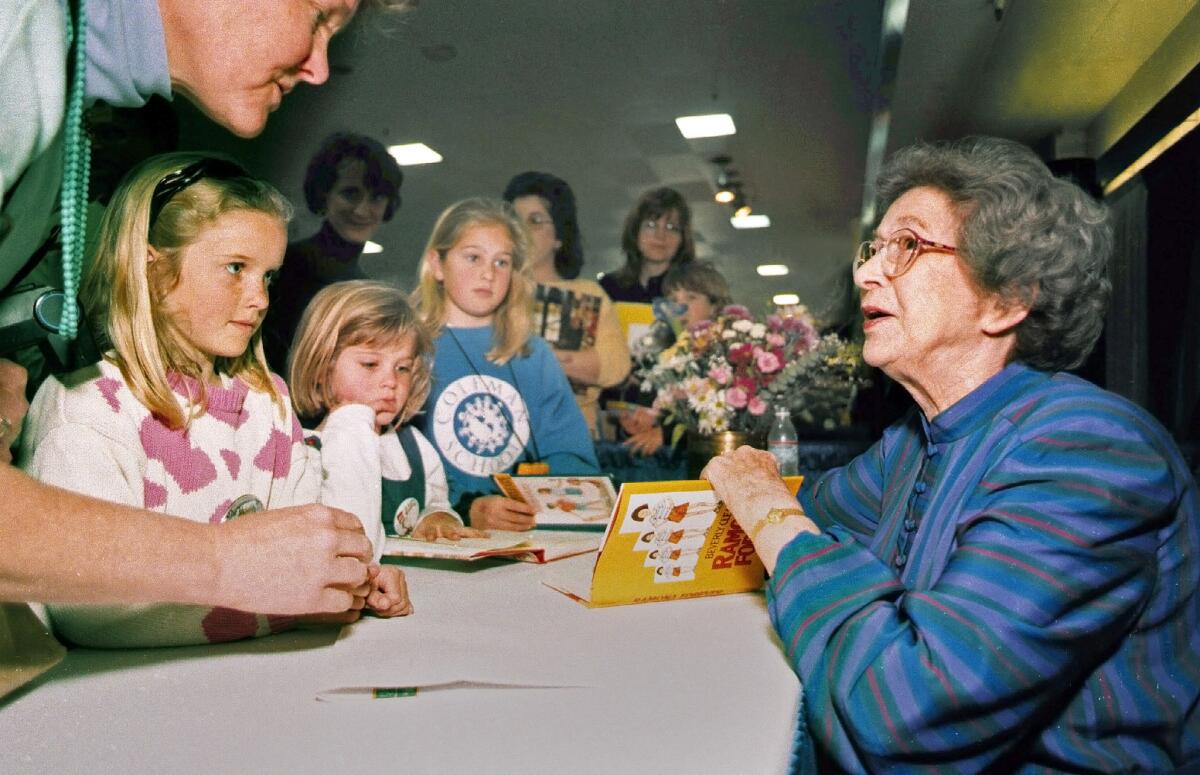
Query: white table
point(690, 686)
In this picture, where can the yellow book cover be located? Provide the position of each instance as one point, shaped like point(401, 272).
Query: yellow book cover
point(635, 318)
point(667, 541)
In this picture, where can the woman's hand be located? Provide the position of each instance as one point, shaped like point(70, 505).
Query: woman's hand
point(645, 442)
point(496, 512)
point(439, 524)
point(748, 481)
point(389, 592)
point(297, 560)
point(337, 618)
point(12, 406)
point(638, 420)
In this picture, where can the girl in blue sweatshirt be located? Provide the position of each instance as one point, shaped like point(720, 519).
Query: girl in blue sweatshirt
point(500, 401)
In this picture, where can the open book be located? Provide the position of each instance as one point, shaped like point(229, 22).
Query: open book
point(562, 501)
point(531, 546)
point(566, 319)
point(666, 541)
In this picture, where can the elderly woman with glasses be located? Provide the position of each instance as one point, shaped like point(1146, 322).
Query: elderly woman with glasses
point(1009, 578)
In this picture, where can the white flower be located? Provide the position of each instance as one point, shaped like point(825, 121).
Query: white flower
point(742, 325)
point(758, 330)
point(730, 333)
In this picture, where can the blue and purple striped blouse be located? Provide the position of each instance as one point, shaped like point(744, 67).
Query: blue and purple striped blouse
point(1012, 586)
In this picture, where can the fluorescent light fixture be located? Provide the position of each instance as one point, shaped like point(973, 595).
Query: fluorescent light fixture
point(750, 222)
point(713, 125)
point(785, 299)
point(414, 153)
point(1156, 150)
point(772, 270)
point(372, 247)
point(895, 17)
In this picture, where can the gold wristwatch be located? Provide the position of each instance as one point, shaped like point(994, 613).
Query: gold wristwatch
point(774, 517)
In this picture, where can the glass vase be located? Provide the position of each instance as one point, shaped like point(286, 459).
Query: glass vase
point(702, 447)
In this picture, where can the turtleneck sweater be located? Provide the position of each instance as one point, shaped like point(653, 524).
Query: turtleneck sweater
point(308, 266)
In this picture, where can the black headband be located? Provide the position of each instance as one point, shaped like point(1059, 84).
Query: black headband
point(174, 182)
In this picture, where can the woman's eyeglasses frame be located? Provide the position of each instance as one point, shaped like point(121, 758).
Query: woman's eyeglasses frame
point(893, 245)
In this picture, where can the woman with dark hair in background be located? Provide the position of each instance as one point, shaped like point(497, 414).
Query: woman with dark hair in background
point(546, 205)
point(355, 184)
point(657, 236)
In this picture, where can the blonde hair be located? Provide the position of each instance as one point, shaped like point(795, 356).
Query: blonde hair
point(348, 314)
point(512, 319)
point(123, 291)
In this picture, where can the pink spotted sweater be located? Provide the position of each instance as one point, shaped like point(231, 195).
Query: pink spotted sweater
point(86, 432)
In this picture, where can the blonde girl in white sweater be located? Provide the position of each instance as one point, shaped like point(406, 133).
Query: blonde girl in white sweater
point(181, 416)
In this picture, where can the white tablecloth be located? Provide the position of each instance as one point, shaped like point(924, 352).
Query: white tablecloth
point(690, 686)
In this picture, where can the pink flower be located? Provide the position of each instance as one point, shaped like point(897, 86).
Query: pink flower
point(719, 374)
point(756, 406)
point(737, 311)
point(736, 397)
point(745, 383)
point(741, 353)
point(805, 341)
point(768, 362)
point(776, 340)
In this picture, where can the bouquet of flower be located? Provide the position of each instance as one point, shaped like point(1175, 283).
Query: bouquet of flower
point(727, 374)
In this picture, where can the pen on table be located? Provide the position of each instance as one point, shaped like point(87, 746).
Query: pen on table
point(387, 692)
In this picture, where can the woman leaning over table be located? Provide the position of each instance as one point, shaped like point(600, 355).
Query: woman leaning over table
point(546, 205)
point(62, 546)
point(1008, 578)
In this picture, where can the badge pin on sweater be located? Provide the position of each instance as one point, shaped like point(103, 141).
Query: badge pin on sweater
point(535, 468)
point(407, 513)
point(244, 504)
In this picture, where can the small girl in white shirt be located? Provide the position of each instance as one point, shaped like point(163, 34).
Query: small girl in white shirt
point(360, 364)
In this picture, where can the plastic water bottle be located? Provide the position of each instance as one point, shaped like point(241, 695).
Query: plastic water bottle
point(783, 443)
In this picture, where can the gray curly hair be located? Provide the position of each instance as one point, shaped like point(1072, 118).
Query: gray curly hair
point(1025, 235)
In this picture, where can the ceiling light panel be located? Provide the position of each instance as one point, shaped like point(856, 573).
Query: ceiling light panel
point(772, 270)
point(414, 153)
point(758, 221)
point(785, 299)
point(712, 125)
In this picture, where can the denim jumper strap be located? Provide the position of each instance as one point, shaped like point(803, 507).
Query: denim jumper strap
point(396, 492)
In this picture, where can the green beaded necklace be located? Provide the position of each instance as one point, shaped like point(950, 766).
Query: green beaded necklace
point(77, 153)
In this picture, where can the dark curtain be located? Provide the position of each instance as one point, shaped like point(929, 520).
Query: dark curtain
point(1173, 288)
point(1125, 364)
